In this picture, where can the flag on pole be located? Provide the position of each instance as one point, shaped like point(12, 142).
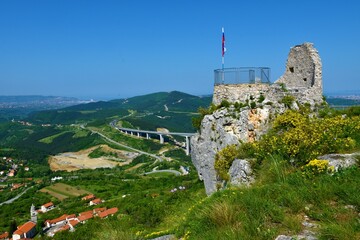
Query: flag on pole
point(223, 42)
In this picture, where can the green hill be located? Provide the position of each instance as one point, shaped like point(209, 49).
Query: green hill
point(172, 110)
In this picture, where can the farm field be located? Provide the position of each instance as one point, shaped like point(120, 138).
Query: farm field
point(62, 191)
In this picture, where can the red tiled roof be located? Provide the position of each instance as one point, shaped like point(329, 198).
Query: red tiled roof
point(96, 201)
point(4, 235)
point(73, 222)
point(49, 204)
point(56, 220)
point(89, 197)
point(108, 212)
point(101, 209)
point(71, 216)
point(87, 212)
point(25, 228)
point(85, 217)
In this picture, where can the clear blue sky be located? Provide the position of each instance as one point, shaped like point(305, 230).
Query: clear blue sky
point(112, 49)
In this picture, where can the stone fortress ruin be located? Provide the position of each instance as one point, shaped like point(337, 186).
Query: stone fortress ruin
point(302, 79)
point(260, 100)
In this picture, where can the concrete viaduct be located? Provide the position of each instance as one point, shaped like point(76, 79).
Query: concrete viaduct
point(140, 133)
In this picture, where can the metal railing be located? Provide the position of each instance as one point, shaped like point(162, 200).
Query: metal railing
point(242, 75)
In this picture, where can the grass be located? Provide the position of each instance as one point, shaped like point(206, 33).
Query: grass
point(278, 205)
point(160, 174)
point(50, 139)
point(62, 191)
point(80, 133)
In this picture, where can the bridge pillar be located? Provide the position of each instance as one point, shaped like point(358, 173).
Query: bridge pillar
point(187, 145)
point(132, 133)
point(161, 139)
point(147, 136)
point(138, 134)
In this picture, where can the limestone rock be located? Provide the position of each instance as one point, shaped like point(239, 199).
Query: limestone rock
point(241, 173)
point(340, 161)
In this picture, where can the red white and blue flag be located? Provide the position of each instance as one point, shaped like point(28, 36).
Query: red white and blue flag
point(223, 42)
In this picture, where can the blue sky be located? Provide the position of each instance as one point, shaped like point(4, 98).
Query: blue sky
point(111, 49)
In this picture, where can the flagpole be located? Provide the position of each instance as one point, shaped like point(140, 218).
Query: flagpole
point(223, 49)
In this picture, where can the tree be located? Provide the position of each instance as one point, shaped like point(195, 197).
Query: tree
point(13, 227)
point(39, 227)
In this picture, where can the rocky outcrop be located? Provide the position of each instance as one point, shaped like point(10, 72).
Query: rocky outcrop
point(257, 104)
point(240, 172)
point(341, 161)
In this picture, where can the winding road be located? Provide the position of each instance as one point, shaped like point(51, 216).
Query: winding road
point(14, 198)
point(177, 173)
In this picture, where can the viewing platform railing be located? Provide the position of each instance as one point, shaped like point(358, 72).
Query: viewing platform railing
point(242, 75)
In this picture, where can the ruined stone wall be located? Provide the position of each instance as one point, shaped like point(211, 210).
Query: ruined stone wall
point(238, 92)
point(302, 79)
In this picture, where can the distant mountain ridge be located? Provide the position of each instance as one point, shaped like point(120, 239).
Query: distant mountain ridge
point(172, 110)
point(20, 106)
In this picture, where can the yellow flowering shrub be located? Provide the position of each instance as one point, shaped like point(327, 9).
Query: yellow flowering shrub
point(316, 167)
point(224, 159)
point(301, 138)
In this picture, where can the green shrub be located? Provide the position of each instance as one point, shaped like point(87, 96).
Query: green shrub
point(224, 103)
point(224, 159)
point(283, 87)
point(261, 98)
point(252, 105)
point(287, 101)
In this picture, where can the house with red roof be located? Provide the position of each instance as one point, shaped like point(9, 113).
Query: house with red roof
point(84, 217)
point(97, 210)
point(57, 221)
point(95, 201)
point(87, 212)
point(109, 212)
point(88, 197)
point(5, 235)
point(27, 230)
point(47, 207)
point(70, 217)
point(72, 223)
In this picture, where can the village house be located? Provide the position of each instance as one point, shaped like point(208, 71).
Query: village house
point(56, 178)
point(63, 228)
point(16, 186)
point(56, 221)
point(106, 213)
point(72, 223)
point(95, 202)
point(97, 210)
point(84, 217)
point(27, 230)
point(4, 236)
point(26, 168)
point(47, 207)
point(88, 197)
